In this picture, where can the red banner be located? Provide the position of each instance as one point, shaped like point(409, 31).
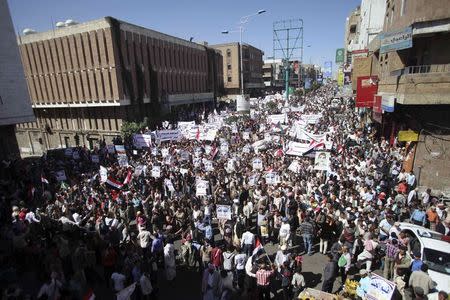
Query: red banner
point(366, 88)
point(377, 104)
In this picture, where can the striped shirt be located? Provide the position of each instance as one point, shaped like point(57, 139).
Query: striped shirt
point(263, 277)
point(391, 250)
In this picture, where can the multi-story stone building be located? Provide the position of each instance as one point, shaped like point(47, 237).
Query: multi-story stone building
point(15, 106)
point(411, 59)
point(86, 79)
point(252, 63)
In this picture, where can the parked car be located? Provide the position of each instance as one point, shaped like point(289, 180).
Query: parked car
point(434, 251)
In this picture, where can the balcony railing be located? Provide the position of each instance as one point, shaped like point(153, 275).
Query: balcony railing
point(422, 69)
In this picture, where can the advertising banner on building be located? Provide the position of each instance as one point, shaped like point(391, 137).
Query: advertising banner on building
point(327, 69)
point(408, 136)
point(339, 55)
point(340, 78)
point(366, 88)
point(388, 103)
point(396, 40)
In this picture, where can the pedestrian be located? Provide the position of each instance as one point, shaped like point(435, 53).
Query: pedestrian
point(169, 260)
point(307, 232)
point(329, 274)
point(421, 279)
point(344, 264)
point(298, 282)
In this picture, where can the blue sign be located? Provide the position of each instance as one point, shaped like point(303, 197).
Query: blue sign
point(396, 40)
point(327, 69)
point(308, 83)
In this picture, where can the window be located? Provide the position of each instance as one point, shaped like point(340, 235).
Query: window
point(229, 78)
point(228, 53)
point(352, 28)
point(229, 67)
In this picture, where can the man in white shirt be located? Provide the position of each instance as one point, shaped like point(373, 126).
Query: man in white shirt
point(146, 286)
point(144, 238)
point(248, 242)
point(239, 263)
point(118, 280)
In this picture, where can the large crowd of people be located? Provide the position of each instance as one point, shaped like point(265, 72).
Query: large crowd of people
point(81, 229)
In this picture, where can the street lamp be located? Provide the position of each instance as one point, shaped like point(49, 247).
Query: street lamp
point(244, 20)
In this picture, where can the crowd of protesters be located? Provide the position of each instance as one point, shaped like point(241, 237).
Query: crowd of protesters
point(83, 232)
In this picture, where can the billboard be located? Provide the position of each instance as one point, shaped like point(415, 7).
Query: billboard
point(396, 40)
point(339, 55)
point(366, 88)
point(327, 70)
point(340, 78)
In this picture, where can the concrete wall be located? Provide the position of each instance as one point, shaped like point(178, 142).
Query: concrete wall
point(402, 13)
point(432, 162)
point(15, 104)
point(372, 20)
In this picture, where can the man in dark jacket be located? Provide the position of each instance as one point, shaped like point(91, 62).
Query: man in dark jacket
point(329, 275)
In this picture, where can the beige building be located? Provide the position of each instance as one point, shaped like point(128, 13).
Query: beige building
point(252, 68)
point(412, 60)
point(15, 106)
point(352, 28)
point(86, 79)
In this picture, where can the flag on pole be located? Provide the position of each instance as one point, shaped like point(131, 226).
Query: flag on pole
point(128, 178)
point(114, 183)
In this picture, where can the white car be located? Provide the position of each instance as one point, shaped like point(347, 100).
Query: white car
point(434, 252)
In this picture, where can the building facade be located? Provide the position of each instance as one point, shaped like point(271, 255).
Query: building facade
point(252, 68)
point(85, 80)
point(15, 106)
point(411, 61)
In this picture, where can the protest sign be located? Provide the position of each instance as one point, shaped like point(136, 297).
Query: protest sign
point(76, 155)
point(208, 165)
point(257, 164)
point(168, 135)
point(246, 135)
point(253, 179)
point(168, 183)
point(142, 140)
point(111, 149)
point(103, 174)
point(271, 178)
point(201, 188)
point(120, 149)
point(294, 167)
point(380, 288)
point(296, 149)
point(138, 170)
point(122, 160)
point(164, 152)
point(156, 171)
point(223, 212)
point(224, 148)
point(322, 161)
point(95, 159)
point(247, 149)
point(197, 162)
point(61, 175)
point(276, 119)
point(68, 152)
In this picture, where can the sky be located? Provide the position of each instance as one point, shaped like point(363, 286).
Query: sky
point(204, 20)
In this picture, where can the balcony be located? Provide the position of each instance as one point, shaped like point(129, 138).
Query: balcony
point(419, 85)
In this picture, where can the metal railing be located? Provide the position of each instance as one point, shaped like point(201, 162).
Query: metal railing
point(422, 69)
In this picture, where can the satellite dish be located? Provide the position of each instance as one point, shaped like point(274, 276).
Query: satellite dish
point(28, 31)
point(60, 24)
point(71, 22)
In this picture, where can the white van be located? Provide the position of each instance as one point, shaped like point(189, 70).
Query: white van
point(434, 252)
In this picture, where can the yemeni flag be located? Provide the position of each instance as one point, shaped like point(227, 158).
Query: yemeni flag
point(128, 178)
point(315, 145)
point(114, 183)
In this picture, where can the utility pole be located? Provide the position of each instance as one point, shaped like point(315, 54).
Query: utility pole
point(284, 32)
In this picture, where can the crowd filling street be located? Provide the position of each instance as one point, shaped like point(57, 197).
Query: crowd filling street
point(239, 202)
